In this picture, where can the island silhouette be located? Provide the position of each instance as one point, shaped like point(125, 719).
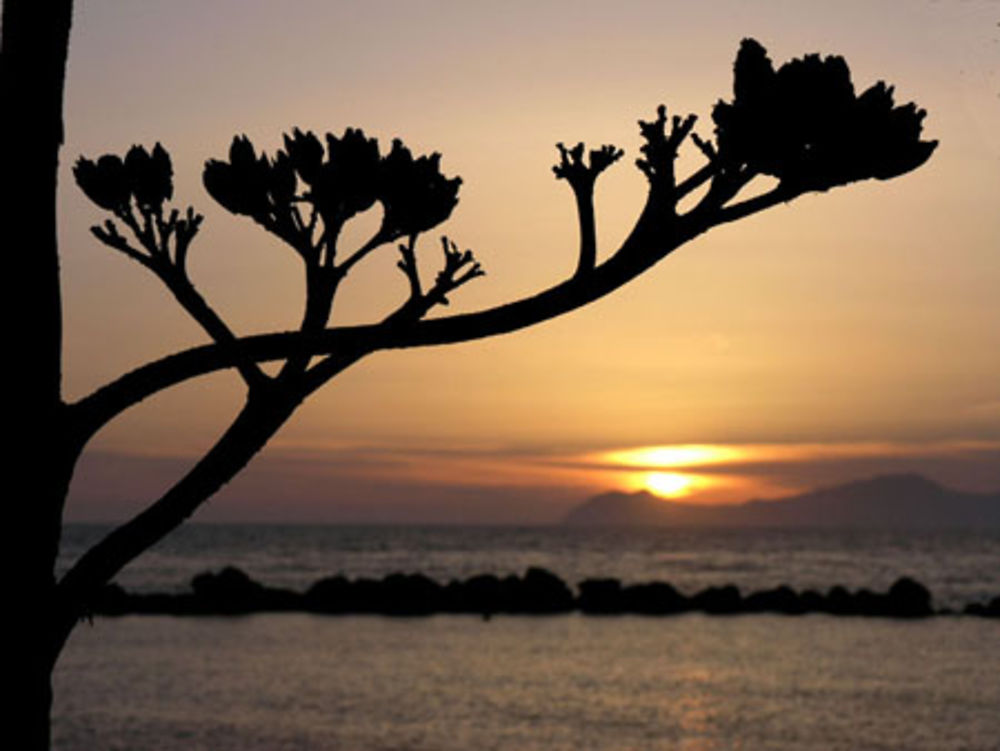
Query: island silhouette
point(897, 501)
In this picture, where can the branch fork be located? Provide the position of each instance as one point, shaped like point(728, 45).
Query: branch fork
point(460, 267)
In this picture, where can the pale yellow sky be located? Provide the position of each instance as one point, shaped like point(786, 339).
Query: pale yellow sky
point(866, 314)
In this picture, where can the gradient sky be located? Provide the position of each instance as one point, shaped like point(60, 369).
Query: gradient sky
point(846, 334)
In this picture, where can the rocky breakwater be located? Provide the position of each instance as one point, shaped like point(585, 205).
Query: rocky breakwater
point(537, 592)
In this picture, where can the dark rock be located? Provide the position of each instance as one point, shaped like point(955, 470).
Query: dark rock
point(990, 609)
point(366, 596)
point(410, 594)
point(654, 598)
point(840, 602)
point(478, 594)
point(229, 584)
point(330, 595)
point(782, 599)
point(540, 591)
point(909, 599)
point(600, 596)
point(813, 602)
point(718, 600)
point(179, 604)
point(870, 603)
point(510, 598)
point(232, 591)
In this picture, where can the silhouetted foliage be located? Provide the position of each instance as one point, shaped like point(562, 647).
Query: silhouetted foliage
point(111, 183)
point(134, 190)
point(337, 185)
point(804, 125)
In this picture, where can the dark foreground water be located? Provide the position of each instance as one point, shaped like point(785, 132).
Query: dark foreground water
point(692, 682)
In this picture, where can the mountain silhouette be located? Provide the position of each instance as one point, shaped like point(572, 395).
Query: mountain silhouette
point(901, 500)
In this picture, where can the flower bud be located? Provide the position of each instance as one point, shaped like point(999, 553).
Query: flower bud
point(103, 182)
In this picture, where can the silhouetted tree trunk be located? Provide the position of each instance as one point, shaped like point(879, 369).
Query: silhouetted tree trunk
point(35, 40)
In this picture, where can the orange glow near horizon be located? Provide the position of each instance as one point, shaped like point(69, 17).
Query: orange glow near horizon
point(645, 467)
point(691, 487)
point(669, 484)
point(714, 473)
point(671, 472)
point(691, 455)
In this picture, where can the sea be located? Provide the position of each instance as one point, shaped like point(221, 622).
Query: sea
point(694, 682)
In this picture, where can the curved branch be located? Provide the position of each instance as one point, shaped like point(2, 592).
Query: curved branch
point(695, 181)
point(381, 237)
point(649, 243)
point(779, 194)
point(644, 247)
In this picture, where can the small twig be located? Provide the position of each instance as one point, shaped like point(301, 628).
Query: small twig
point(185, 231)
point(449, 279)
point(408, 265)
point(149, 234)
point(706, 147)
point(660, 149)
point(778, 194)
point(293, 212)
point(109, 235)
point(379, 238)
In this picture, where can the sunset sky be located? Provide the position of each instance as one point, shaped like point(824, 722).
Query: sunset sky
point(843, 335)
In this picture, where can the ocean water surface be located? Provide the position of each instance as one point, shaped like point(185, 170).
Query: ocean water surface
point(692, 682)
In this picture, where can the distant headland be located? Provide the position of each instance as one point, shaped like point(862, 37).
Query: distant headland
point(888, 501)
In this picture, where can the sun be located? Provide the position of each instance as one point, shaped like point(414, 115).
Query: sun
point(672, 471)
point(669, 484)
